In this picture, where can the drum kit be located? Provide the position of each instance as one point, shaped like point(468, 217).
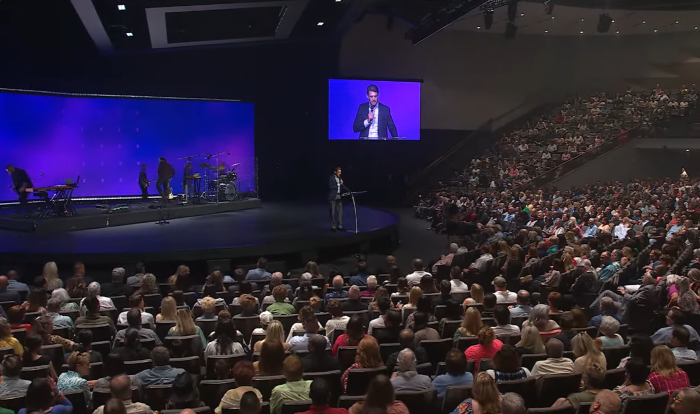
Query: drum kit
point(220, 179)
point(221, 182)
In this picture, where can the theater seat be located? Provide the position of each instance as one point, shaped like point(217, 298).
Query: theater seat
point(693, 371)
point(264, 409)
point(266, 384)
point(557, 410)
point(157, 396)
point(30, 373)
point(552, 387)
point(359, 379)
point(647, 404)
point(614, 377)
point(199, 410)
point(527, 388)
point(293, 407)
point(454, 395)
point(418, 402)
point(347, 401)
point(211, 391)
point(77, 399)
point(15, 404)
point(346, 355)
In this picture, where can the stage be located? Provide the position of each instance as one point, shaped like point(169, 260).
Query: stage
point(90, 217)
point(274, 229)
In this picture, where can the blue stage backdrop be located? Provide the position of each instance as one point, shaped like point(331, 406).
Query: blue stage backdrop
point(345, 97)
point(105, 140)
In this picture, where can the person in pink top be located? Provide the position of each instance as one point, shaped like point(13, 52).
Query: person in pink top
point(665, 375)
point(486, 348)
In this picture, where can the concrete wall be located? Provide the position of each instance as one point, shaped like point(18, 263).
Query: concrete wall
point(472, 76)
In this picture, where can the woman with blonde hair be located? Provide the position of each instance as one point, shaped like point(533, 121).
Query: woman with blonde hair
point(665, 375)
point(485, 397)
point(7, 340)
point(587, 353)
point(78, 367)
point(185, 326)
point(367, 357)
point(471, 324)
point(569, 263)
point(413, 295)
point(312, 267)
point(530, 341)
point(50, 273)
point(502, 248)
point(476, 296)
point(168, 310)
point(275, 332)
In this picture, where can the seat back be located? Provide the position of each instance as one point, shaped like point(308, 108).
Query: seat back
point(647, 404)
point(63, 332)
point(212, 391)
point(206, 325)
point(198, 410)
point(264, 409)
point(509, 339)
point(77, 399)
point(614, 355)
point(437, 350)
point(15, 404)
point(191, 364)
point(359, 379)
point(255, 338)
point(526, 388)
point(97, 371)
point(157, 396)
point(563, 409)
point(101, 332)
point(465, 342)
point(134, 367)
point(336, 334)
point(113, 314)
point(346, 355)
point(552, 387)
point(103, 348)
point(293, 407)
point(20, 335)
point(73, 314)
point(332, 379)
point(266, 384)
point(153, 300)
point(163, 327)
point(120, 302)
point(6, 351)
point(449, 328)
point(693, 371)
point(287, 321)
point(191, 344)
point(56, 353)
point(528, 360)
point(584, 408)
point(418, 402)
point(454, 395)
point(614, 377)
point(29, 373)
point(387, 349)
point(231, 360)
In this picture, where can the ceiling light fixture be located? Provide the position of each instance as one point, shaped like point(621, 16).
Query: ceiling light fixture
point(655, 30)
point(129, 34)
point(617, 32)
point(319, 24)
point(677, 22)
point(644, 22)
point(581, 32)
point(478, 27)
point(121, 7)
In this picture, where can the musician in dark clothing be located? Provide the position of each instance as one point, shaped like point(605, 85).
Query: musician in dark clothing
point(165, 173)
point(20, 182)
point(143, 182)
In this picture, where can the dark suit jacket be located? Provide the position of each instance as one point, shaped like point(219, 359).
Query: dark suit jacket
point(121, 289)
point(386, 122)
point(333, 188)
point(313, 363)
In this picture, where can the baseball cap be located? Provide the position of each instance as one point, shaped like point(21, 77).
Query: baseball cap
point(265, 318)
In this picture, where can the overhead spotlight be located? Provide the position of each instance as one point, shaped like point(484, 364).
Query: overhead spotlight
point(582, 19)
point(511, 30)
point(604, 22)
point(478, 27)
point(121, 7)
point(129, 34)
point(488, 19)
point(512, 10)
point(644, 22)
point(319, 24)
point(546, 31)
point(548, 6)
point(655, 30)
point(677, 22)
point(617, 32)
point(581, 32)
point(522, 14)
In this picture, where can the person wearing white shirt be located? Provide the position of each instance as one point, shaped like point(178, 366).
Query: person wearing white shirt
point(338, 320)
point(502, 316)
point(481, 263)
point(546, 155)
point(383, 305)
point(502, 292)
point(94, 291)
point(555, 363)
point(414, 278)
point(136, 301)
point(456, 284)
point(622, 229)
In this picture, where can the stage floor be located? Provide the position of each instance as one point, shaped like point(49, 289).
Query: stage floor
point(273, 229)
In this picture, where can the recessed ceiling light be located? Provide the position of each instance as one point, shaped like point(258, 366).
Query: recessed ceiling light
point(522, 14)
point(677, 22)
point(478, 27)
point(581, 19)
point(581, 32)
point(546, 31)
point(121, 7)
point(129, 34)
point(655, 30)
point(687, 150)
point(552, 17)
point(319, 24)
point(618, 32)
point(337, 1)
point(612, 21)
point(644, 22)
point(696, 28)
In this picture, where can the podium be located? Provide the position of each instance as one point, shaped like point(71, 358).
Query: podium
point(352, 195)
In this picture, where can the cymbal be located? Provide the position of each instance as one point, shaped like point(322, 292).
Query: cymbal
point(233, 165)
point(220, 168)
point(205, 165)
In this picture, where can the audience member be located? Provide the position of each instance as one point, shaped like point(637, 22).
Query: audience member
point(407, 340)
point(486, 348)
point(131, 349)
point(608, 328)
point(636, 384)
point(555, 362)
point(380, 398)
point(354, 332)
point(502, 292)
point(502, 316)
point(485, 397)
point(260, 272)
point(406, 378)
point(225, 342)
point(457, 374)
point(12, 385)
point(587, 353)
point(414, 278)
point(506, 365)
point(78, 367)
point(117, 287)
point(318, 359)
point(311, 327)
point(120, 388)
point(367, 357)
point(41, 398)
point(593, 382)
point(271, 359)
point(134, 318)
point(530, 342)
point(162, 372)
point(92, 315)
point(665, 375)
point(185, 326)
point(243, 373)
point(280, 307)
point(471, 324)
point(320, 394)
point(294, 389)
point(168, 310)
point(606, 402)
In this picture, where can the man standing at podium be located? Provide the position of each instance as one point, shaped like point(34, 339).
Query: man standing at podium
point(335, 189)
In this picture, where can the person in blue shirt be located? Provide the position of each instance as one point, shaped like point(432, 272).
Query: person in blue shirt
point(607, 308)
point(41, 398)
point(162, 372)
point(592, 229)
point(13, 284)
point(609, 267)
point(456, 375)
point(360, 279)
point(260, 272)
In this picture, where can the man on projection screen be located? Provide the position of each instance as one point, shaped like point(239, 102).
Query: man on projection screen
point(374, 119)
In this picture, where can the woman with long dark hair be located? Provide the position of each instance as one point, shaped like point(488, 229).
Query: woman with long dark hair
point(214, 285)
point(354, 332)
point(32, 357)
point(379, 399)
point(424, 305)
point(131, 349)
point(225, 342)
point(36, 301)
point(41, 399)
point(394, 275)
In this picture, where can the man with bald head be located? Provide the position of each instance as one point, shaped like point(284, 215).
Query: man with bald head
point(120, 387)
point(338, 292)
point(606, 402)
point(276, 280)
point(555, 363)
point(7, 295)
point(523, 307)
point(13, 283)
point(414, 278)
point(407, 340)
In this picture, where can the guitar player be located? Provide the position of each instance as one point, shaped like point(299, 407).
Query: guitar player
point(20, 181)
point(143, 182)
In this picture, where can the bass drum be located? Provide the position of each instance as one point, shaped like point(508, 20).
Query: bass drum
point(231, 192)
